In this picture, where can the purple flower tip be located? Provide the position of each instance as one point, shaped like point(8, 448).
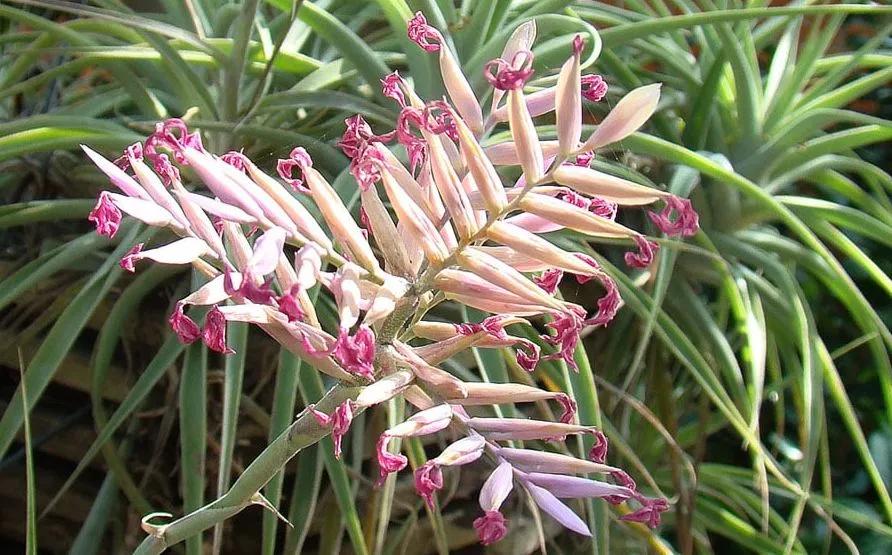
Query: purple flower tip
point(364, 167)
point(578, 44)
point(289, 306)
point(299, 158)
point(214, 332)
point(339, 420)
point(650, 511)
point(391, 87)
point(356, 353)
point(528, 355)
point(186, 329)
point(428, 479)
point(584, 159)
point(569, 406)
point(388, 462)
point(128, 262)
point(566, 326)
point(645, 255)
point(594, 88)
point(105, 215)
point(491, 527)
point(678, 218)
point(235, 159)
point(549, 280)
point(506, 76)
point(422, 34)
point(598, 452)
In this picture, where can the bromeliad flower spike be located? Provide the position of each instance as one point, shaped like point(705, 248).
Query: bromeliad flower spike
point(444, 227)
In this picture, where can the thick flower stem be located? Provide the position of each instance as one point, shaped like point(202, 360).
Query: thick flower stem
point(304, 431)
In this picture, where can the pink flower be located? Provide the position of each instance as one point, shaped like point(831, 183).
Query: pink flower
point(105, 215)
point(357, 134)
point(438, 119)
point(339, 421)
point(527, 355)
point(650, 511)
point(388, 462)
point(391, 87)
point(235, 159)
point(645, 255)
point(549, 280)
point(364, 167)
point(594, 88)
point(603, 208)
point(289, 306)
point(214, 332)
point(569, 406)
point(129, 260)
point(598, 452)
point(677, 218)
point(186, 329)
point(356, 353)
point(491, 527)
point(415, 147)
point(514, 75)
point(584, 159)
point(578, 44)
point(422, 34)
point(566, 326)
point(299, 158)
point(428, 479)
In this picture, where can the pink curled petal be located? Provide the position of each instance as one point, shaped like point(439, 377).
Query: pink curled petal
point(422, 34)
point(678, 218)
point(549, 280)
point(130, 259)
point(356, 353)
point(569, 406)
point(289, 306)
point(527, 355)
point(566, 325)
point(214, 332)
point(584, 159)
point(237, 160)
point(649, 513)
point(391, 87)
point(186, 329)
point(340, 425)
point(388, 462)
point(491, 527)
point(105, 215)
point(560, 512)
point(645, 255)
point(505, 76)
point(598, 452)
point(321, 418)
point(594, 88)
point(428, 479)
point(497, 487)
point(578, 44)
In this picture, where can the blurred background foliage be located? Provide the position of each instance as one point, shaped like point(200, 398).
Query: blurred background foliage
point(748, 377)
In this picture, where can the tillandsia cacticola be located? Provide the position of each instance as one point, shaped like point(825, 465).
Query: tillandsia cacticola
point(442, 227)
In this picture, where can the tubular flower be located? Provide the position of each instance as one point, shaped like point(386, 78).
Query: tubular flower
point(441, 227)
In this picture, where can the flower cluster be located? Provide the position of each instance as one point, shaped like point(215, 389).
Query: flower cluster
point(442, 227)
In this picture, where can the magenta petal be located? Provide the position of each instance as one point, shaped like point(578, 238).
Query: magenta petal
point(186, 329)
point(428, 479)
point(214, 332)
point(645, 255)
point(128, 262)
point(388, 462)
point(491, 527)
point(598, 452)
point(105, 215)
point(422, 34)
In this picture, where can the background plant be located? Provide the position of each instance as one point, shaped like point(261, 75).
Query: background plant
point(770, 332)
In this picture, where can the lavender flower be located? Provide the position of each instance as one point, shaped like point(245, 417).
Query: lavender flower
point(453, 230)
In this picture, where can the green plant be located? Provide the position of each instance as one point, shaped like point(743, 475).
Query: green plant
point(736, 339)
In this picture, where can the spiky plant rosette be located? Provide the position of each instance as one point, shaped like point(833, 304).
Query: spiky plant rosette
point(453, 232)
